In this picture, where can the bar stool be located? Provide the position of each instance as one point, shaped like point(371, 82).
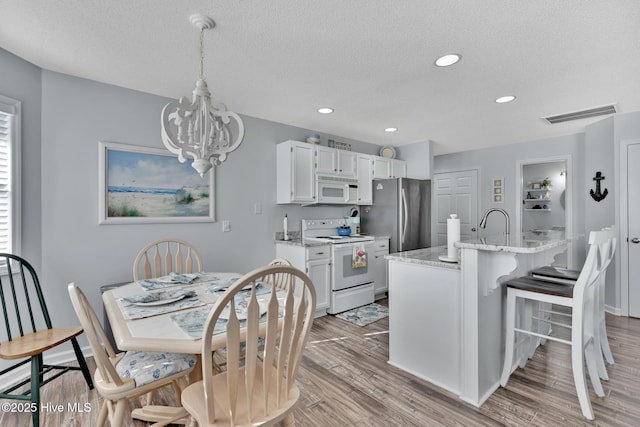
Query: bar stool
point(570, 276)
point(581, 299)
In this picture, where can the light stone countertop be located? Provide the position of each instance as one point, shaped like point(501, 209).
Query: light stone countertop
point(525, 243)
point(297, 241)
point(426, 256)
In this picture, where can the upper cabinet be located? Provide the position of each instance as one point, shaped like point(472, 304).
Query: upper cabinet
point(299, 163)
point(295, 172)
point(384, 167)
point(398, 168)
point(365, 176)
point(331, 161)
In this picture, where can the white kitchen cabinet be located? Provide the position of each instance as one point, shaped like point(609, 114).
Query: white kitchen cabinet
point(384, 167)
point(331, 161)
point(398, 168)
point(315, 261)
point(381, 167)
point(295, 172)
point(365, 176)
point(380, 285)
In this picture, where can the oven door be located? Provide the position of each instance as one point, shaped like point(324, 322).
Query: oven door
point(344, 274)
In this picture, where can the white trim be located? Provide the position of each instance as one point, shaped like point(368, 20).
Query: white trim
point(15, 107)
point(519, 188)
point(622, 261)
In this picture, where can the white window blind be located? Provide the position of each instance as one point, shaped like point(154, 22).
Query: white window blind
point(9, 173)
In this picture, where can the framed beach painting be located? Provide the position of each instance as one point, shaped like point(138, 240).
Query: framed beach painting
point(149, 185)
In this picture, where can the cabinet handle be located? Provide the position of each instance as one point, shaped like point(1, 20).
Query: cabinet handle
point(635, 240)
point(319, 253)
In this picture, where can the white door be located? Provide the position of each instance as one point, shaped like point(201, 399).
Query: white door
point(454, 193)
point(633, 234)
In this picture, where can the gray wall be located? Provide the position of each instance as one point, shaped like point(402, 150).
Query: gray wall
point(20, 80)
point(591, 151)
point(64, 118)
point(500, 162)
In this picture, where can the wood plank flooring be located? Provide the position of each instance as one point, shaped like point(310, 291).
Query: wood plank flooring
point(345, 381)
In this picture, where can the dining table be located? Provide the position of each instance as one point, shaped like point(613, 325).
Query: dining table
point(167, 314)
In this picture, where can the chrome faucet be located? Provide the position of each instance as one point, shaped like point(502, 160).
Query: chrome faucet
point(483, 221)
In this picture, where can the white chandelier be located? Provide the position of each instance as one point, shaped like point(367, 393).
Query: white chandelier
point(195, 129)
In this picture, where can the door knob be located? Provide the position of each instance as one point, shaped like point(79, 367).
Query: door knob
point(635, 240)
point(473, 229)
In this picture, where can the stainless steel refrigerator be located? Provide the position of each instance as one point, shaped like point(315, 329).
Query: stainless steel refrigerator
point(401, 209)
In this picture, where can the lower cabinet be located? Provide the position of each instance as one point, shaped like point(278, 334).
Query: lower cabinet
point(315, 261)
point(380, 286)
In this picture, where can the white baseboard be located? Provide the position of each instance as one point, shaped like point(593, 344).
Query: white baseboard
point(51, 358)
point(613, 310)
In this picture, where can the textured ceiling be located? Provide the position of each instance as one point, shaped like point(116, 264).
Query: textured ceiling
point(371, 60)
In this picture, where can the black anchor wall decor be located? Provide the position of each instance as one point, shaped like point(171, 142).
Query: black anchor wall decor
point(597, 195)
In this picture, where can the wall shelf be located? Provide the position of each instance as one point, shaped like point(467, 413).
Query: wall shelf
point(537, 210)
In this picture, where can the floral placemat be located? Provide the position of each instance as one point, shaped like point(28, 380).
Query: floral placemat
point(132, 310)
point(180, 280)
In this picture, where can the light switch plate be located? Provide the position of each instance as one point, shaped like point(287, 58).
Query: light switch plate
point(226, 226)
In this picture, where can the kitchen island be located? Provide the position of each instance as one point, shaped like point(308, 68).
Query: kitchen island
point(446, 320)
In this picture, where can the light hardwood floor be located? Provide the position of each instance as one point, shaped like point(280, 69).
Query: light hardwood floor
point(346, 381)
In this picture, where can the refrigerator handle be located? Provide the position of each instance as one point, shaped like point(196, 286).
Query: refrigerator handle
point(405, 212)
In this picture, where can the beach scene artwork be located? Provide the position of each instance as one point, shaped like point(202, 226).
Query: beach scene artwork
point(150, 185)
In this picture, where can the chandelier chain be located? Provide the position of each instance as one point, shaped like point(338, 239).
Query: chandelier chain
point(202, 53)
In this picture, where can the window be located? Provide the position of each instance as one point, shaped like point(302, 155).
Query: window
point(9, 175)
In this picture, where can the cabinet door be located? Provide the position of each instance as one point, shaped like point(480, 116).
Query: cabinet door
point(398, 168)
point(319, 271)
point(381, 167)
point(327, 160)
point(380, 266)
point(303, 176)
point(365, 176)
point(347, 164)
point(295, 173)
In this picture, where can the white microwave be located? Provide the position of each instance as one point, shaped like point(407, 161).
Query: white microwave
point(334, 190)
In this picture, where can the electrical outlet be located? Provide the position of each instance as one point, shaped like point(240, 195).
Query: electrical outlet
point(257, 208)
point(226, 226)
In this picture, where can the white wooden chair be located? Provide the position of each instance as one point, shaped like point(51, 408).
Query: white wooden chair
point(121, 376)
point(569, 277)
point(258, 387)
point(164, 256)
point(582, 300)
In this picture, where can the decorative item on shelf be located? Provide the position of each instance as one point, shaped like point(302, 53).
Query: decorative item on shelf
point(196, 129)
point(535, 186)
point(343, 146)
point(598, 195)
point(388, 152)
point(529, 195)
point(313, 138)
point(546, 183)
point(331, 143)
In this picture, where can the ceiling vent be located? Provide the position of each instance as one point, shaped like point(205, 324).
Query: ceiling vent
point(584, 114)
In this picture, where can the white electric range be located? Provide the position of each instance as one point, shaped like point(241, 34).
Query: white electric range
point(351, 284)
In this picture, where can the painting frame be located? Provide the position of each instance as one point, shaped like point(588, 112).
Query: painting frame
point(186, 198)
point(498, 190)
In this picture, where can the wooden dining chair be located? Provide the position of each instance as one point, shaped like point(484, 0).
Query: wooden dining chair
point(280, 280)
point(581, 299)
point(164, 256)
point(125, 375)
point(259, 387)
point(28, 333)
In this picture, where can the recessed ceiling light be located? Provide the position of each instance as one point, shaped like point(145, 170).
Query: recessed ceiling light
point(504, 99)
point(391, 129)
point(325, 110)
point(446, 60)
